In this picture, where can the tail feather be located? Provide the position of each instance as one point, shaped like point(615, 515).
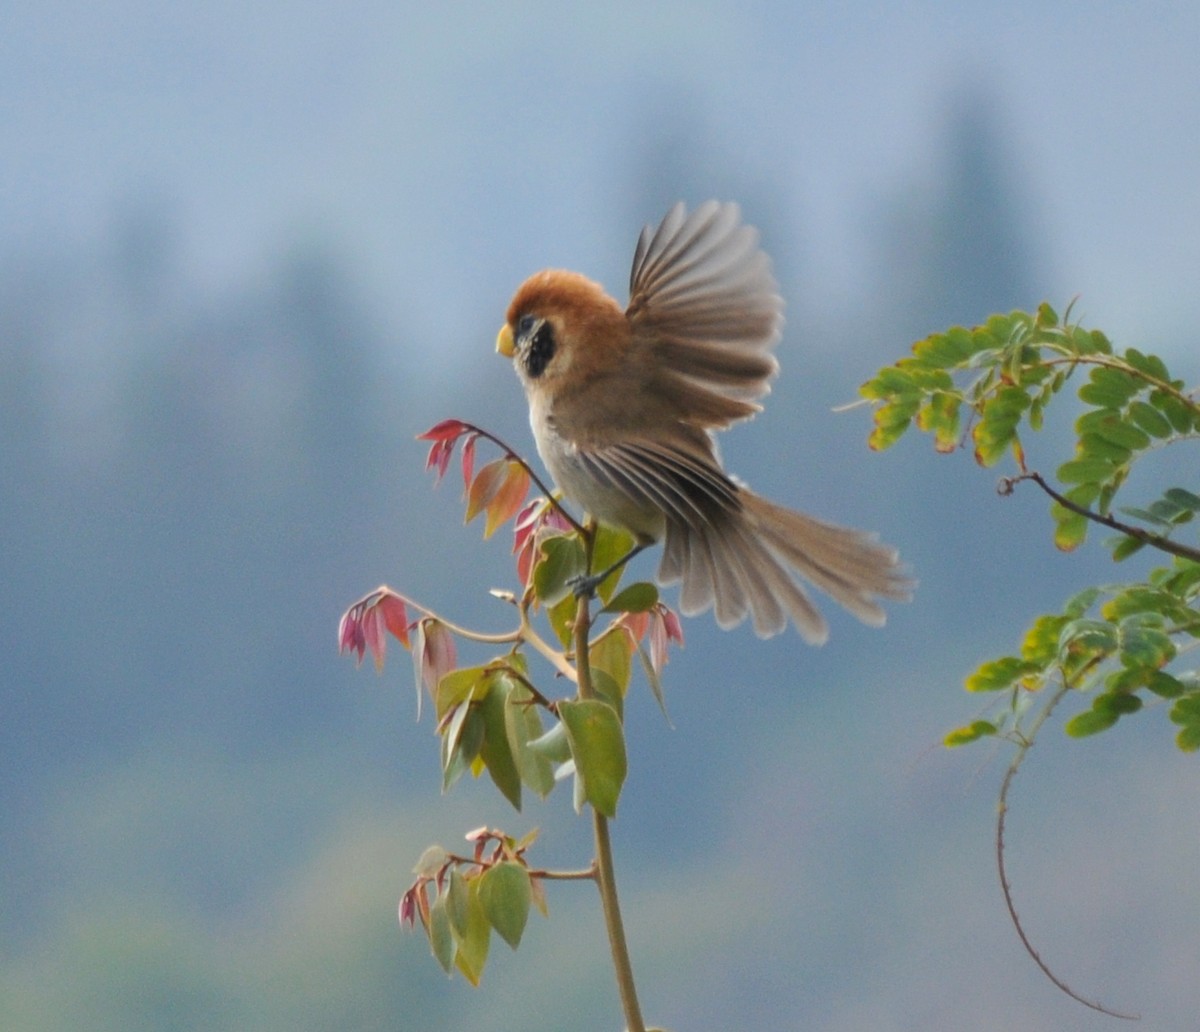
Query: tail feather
point(748, 565)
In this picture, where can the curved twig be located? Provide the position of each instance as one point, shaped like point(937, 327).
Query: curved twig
point(1027, 739)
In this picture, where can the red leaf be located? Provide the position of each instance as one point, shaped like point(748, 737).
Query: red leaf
point(446, 430)
point(509, 497)
point(484, 487)
point(395, 617)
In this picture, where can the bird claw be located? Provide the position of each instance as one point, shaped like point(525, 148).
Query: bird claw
point(584, 586)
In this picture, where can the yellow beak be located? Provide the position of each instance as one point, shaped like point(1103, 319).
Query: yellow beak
point(504, 341)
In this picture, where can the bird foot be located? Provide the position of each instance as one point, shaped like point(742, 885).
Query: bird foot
point(584, 586)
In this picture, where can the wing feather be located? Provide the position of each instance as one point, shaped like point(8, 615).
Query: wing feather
point(705, 313)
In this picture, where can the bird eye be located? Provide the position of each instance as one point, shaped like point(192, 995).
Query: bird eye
point(541, 349)
point(524, 325)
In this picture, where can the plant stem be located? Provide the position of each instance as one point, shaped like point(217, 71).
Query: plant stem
point(606, 879)
point(1163, 544)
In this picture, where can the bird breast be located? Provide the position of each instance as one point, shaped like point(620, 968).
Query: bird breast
point(580, 486)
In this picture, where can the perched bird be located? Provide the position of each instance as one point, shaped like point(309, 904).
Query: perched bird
point(624, 405)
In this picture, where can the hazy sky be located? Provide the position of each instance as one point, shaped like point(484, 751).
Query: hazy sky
point(449, 149)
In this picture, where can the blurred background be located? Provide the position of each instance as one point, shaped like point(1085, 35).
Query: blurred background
point(249, 251)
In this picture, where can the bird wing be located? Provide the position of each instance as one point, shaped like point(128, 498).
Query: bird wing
point(705, 312)
point(687, 486)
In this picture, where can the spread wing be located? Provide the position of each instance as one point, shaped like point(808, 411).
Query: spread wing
point(705, 312)
point(687, 487)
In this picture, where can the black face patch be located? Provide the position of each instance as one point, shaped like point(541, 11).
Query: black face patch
point(536, 343)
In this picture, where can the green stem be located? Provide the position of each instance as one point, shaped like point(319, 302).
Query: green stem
point(606, 879)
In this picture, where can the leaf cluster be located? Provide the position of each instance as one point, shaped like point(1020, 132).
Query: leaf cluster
point(461, 900)
point(989, 387)
point(492, 716)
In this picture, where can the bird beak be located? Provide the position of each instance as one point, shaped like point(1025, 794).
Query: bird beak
point(504, 341)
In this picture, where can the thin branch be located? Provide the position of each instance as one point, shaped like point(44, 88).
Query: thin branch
point(1027, 739)
point(539, 644)
point(1163, 544)
point(587, 874)
point(606, 880)
point(500, 638)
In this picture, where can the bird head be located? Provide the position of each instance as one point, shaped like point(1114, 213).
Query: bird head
point(561, 329)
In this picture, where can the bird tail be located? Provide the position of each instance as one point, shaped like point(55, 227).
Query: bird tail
point(748, 562)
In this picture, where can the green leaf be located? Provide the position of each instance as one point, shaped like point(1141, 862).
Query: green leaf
point(997, 430)
point(562, 560)
point(939, 415)
point(971, 732)
point(610, 546)
point(945, 350)
point(598, 748)
point(523, 725)
point(457, 894)
point(1123, 434)
point(892, 420)
point(1143, 646)
point(1188, 739)
point(1164, 685)
point(430, 861)
point(461, 742)
point(553, 746)
point(997, 674)
point(1070, 528)
point(1179, 413)
point(505, 894)
point(1087, 639)
point(562, 618)
point(1090, 722)
point(457, 687)
point(1149, 419)
point(637, 598)
point(1093, 445)
point(1085, 471)
point(1039, 647)
point(496, 752)
point(609, 691)
point(441, 938)
point(1151, 365)
point(612, 653)
point(1185, 500)
point(1080, 603)
point(890, 382)
point(1122, 546)
point(474, 940)
point(1109, 388)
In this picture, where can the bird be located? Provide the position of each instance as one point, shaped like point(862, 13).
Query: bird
point(624, 405)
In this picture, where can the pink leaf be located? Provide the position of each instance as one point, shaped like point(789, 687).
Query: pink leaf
point(468, 461)
point(439, 656)
point(408, 907)
point(350, 633)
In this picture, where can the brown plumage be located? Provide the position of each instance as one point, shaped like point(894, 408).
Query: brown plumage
point(623, 405)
